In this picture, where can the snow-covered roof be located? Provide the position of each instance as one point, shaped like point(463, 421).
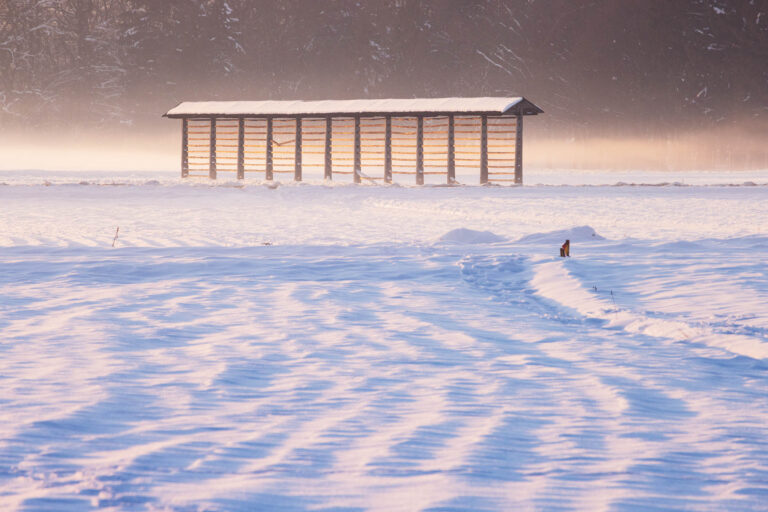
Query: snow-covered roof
point(341, 107)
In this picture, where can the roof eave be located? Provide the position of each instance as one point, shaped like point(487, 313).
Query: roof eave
point(520, 107)
point(526, 112)
point(525, 108)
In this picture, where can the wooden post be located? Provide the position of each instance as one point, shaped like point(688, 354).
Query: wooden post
point(184, 147)
point(357, 150)
point(388, 150)
point(484, 149)
point(519, 150)
point(297, 152)
point(212, 151)
point(241, 149)
point(269, 150)
point(419, 150)
point(451, 152)
point(328, 151)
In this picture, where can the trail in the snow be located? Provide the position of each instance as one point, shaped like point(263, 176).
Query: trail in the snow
point(393, 349)
point(380, 377)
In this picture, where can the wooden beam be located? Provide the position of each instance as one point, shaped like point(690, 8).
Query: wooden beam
point(212, 150)
point(241, 149)
point(388, 150)
point(328, 149)
point(297, 152)
point(268, 163)
point(420, 150)
point(519, 151)
point(451, 152)
point(357, 168)
point(484, 149)
point(184, 148)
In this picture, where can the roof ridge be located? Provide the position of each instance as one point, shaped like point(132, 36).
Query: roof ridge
point(448, 105)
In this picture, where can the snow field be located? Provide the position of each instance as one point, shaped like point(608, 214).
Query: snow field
point(362, 363)
point(154, 213)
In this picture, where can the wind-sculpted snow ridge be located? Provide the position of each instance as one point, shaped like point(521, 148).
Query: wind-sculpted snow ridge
point(554, 282)
point(470, 236)
point(575, 235)
point(703, 261)
point(360, 363)
point(363, 378)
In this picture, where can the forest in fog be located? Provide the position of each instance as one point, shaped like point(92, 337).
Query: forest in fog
point(596, 67)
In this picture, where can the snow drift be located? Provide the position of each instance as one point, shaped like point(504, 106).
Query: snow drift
point(356, 364)
point(575, 235)
point(470, 236)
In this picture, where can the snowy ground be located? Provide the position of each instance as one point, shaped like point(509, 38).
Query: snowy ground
point(361, 362)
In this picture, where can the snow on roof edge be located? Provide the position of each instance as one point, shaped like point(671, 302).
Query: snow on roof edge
point(496, 105)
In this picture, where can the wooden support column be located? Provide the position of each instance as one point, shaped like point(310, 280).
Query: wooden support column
point(297, 152)
point(328, 150)
point(519, 150)
point(420, 150)
point(269, 150)
point(212, 151)
point(357, 168)
point(388, 150)
point(451, 152)
point(184, 147)
point(484, 149)
point(241, 148)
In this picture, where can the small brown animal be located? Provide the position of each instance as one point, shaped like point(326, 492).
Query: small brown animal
point(565, 249)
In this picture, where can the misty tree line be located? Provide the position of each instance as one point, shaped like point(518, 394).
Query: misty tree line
point(107, 61)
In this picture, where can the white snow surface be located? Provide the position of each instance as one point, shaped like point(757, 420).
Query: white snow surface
point(318, 347)
point(470, 236)
point(404, 106)
point(575, 234)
